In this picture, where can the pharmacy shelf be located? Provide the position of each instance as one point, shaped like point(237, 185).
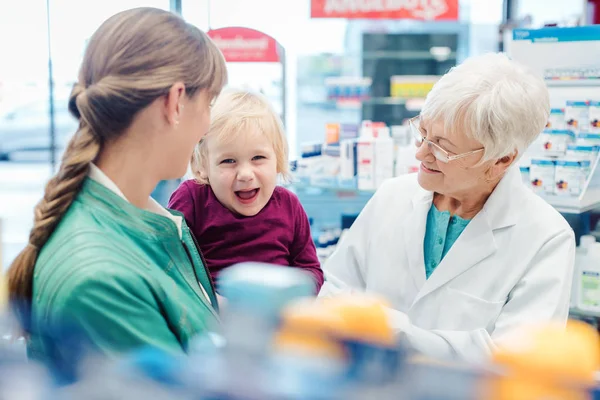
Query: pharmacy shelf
point(588, 200)
point(577, 312)
point(329, 185)
point(386, 100)
point(572, 82)
point(406, 55)
point(358, 103)
point(574, 205)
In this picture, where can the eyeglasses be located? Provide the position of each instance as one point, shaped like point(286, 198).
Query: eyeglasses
point(439, 153)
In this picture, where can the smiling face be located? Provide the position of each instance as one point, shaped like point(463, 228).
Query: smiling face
point(242, 171)
point(454, 177)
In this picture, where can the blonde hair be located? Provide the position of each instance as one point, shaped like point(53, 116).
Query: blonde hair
point(131, 60)
point(235, 113)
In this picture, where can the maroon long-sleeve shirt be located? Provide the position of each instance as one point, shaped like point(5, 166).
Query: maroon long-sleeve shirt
point(278, 234)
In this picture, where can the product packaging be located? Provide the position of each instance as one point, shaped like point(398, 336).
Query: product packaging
point(332, 133)
point(348, 88)
point(412, 86)
point(308, 150)
point(348, 131)
point(525, 174)
point(541, 175)
point(556, 119)
point(555, 141)
point(366, 164)
point(585, 241)
point(384, 156)
point(577, 114)
point(365, 157)
point(310, 163)
point(348, 158)
point(583, 152)
point(570, 176)
point(594, 116)
point(589, 278)
point(401, 135)
point(588, 139)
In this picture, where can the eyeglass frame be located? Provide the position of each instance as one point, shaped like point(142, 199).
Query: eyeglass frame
point(419, 138)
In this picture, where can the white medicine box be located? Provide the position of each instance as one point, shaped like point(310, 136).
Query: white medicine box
point(541, 175)
point(556, 119)
point(555, 141)
point(595, 116)
point(588, 139)
point(577, 116)
point(365, 164)
point(583, 152)
point(570, 176)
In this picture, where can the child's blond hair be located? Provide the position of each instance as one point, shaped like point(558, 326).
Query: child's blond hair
point(234, 113)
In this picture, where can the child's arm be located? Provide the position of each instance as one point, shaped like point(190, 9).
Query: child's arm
point(303, 252)
point(183, 200)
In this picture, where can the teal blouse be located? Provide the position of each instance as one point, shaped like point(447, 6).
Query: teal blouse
point(441, 232)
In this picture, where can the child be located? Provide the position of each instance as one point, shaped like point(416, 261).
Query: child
point(234, 206)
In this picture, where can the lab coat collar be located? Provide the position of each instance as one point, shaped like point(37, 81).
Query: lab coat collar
point(475, 243)
point(505, 195)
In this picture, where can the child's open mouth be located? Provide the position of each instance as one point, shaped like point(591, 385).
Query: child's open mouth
point(246, 196)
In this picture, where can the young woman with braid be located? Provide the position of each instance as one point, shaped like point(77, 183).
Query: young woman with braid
point(103, 258)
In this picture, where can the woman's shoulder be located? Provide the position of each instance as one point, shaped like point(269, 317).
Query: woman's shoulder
point(407, 183)
point(539, 214)
point(87, 243)
point(88, 236)
point(399, 190)
point(88, 262)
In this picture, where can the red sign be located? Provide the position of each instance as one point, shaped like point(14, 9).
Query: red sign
point(426, 10)
point(245, 45)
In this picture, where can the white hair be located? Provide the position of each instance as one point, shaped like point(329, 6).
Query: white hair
point(492, 99)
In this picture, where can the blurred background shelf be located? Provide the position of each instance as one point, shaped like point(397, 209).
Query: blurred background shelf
point(577, 312)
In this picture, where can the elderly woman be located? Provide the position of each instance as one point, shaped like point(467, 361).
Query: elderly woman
point(463, 251)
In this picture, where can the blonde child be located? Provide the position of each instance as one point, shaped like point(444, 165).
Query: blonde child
point(233, 205)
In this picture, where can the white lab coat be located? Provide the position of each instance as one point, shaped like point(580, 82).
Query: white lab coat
point(512, 265)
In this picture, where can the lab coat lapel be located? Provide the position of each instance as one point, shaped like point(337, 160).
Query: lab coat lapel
point(414, 234)
point(477, 240)
point(474, 244)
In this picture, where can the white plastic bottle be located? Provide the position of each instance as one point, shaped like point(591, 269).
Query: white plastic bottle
point(580, 254)
point(365, 154)
point(406, 161)
point(384, 156)
point(589, 280)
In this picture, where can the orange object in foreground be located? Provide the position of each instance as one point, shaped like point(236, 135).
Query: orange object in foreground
point(546, 362)
point(320, 326)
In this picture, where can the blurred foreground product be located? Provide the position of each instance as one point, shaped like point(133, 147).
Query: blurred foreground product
point(20, 378)
point(234, 365)
point(256, 293)
point(142, 375)
point(345, 344)
point(442, 380)
point(547, 362)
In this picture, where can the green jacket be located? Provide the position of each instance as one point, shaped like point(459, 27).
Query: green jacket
point(121, 277)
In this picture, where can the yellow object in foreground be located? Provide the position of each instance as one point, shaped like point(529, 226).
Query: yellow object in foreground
point(319, 326)
point(3, 293)
point(547, 362)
